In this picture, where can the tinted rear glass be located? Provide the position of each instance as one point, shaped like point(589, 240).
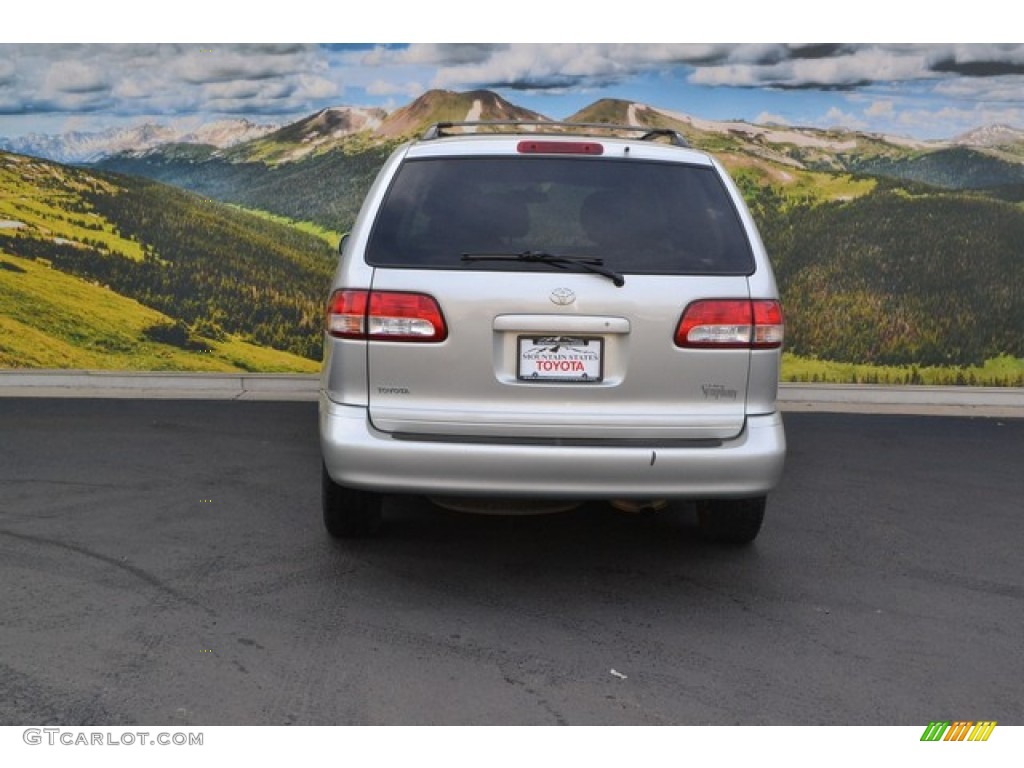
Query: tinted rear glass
point(639, 217)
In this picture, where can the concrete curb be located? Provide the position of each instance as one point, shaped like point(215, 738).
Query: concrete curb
point(996, 402)
point(843, 398)
point(159, 385)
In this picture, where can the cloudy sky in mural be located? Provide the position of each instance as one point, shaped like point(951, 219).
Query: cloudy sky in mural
point(919, 90)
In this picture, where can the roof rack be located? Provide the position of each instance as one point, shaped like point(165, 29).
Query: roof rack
point(437, 130)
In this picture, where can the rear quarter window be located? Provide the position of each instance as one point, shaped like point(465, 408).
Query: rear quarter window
point(640, 217)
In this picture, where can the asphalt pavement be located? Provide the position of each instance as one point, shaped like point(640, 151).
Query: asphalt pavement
point(162, 562)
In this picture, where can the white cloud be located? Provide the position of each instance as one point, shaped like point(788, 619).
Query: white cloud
point(837, 118)
point(429, 55)
point(883, 108)
point(1005, 89)
point(846, 66)
point(886, 84)
point(959, 119)
point(546, 66)
point(134, 87)
point(74, 77)
point(234, 89)
point(315, 87)
point(165, 79)
point(965, 55)
point(407, 89)
point(202, 64)
point(846, 69)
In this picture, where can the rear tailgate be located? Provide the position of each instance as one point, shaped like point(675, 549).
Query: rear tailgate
point(550, 350)
point(516, 364)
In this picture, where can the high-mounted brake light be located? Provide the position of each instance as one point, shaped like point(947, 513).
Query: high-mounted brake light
point(532, 147)
point(385, 316)
point(731, 324)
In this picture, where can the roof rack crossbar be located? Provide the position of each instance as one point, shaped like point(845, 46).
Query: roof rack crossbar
point(437, 130)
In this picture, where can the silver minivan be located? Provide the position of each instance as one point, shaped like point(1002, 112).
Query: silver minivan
point(552, 311)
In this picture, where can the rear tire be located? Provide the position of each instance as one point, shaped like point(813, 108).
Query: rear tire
point(348, 512)
point(731, 521)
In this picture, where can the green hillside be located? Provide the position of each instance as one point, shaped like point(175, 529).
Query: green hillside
point(953, 168)
point(102, 271)
point(53, 320)
point(326, 189)
point(897, 278)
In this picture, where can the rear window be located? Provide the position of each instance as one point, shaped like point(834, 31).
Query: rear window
point(639, 217)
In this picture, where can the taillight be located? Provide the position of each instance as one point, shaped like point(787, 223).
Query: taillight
point(533, 147)
point(346, 314)
point(731, 324)
point(385, 316)
point(769, 328)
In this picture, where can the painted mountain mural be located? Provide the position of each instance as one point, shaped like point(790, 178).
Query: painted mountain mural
point(898, 260)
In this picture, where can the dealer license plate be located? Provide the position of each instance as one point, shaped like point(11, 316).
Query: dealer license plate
point(561, 358)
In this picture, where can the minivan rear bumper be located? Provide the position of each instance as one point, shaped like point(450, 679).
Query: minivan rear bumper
point(358, 456)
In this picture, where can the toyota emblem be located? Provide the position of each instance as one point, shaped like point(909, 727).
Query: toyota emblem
point(562, 297)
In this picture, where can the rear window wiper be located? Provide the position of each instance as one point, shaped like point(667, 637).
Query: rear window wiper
point(563, 262)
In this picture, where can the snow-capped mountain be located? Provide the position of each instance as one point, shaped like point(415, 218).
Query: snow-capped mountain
point(88, 147)
point(227, 133)
point(991, 136)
